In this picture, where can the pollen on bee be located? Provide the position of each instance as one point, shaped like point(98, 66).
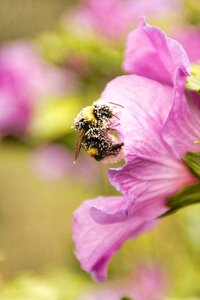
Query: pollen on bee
point(88, 113)
point(92, 152)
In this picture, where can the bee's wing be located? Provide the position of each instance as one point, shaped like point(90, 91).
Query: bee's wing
point(78, 143)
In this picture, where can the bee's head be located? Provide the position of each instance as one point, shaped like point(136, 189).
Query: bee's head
point(103, 112)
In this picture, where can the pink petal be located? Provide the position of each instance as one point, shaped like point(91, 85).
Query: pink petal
point(25, 77)
point(149, 283)
point(127, 209)
point(97, 243)
point(151, 167)
point(110, 17)
point(189, 37)
point(150, 53)
point(14, 113)
point(144, 100)
point(23, 70)
point(111, 215)
point(182, 127)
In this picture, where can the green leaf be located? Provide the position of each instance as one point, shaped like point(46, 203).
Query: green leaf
point(189, 194)
point(186, 196)
point(126, 298)
point(193, 81)
point(192, 160)
point(58, 46)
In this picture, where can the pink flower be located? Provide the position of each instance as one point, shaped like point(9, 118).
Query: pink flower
point(147, 283)
point(24, 77)
point(54, 162)
point(159, 124)
point(113, 18)
point(189, 37)
point(109, 17)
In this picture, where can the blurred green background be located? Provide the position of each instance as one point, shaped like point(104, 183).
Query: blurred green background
point(25, 18)
point(70, 61)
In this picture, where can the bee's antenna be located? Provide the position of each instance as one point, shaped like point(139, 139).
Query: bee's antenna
point(116, 104)
point(116, 117)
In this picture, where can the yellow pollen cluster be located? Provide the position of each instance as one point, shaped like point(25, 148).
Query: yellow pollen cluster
point(88, 113)
point(92, 151)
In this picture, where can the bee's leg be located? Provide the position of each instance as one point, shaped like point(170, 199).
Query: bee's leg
point(115, 149)
point(113, 127)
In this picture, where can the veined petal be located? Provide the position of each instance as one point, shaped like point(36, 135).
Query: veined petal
point(152, 172)
point(97, 243)
point(143, 100)
point(155, 176)
point(150, 53)
point(111, 214)
point(151, 167)
point(182, 127)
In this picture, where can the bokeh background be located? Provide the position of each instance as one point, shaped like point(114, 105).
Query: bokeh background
point(56, 57)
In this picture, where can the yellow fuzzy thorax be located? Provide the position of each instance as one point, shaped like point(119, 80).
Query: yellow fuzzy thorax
point(88, 113)
point(92, 152)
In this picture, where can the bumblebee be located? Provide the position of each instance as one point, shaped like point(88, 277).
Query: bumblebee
point(94, 124)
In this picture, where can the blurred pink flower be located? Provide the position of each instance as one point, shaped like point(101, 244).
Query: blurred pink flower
point(54, 161)
point(106, 292)
point(24, 77)
point(159, 124)
point(109, 17)
point(113, 18)
point(147, 283)
point(154, 8)
point(189, 37)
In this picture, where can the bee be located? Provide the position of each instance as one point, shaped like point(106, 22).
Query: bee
point(93, 124)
